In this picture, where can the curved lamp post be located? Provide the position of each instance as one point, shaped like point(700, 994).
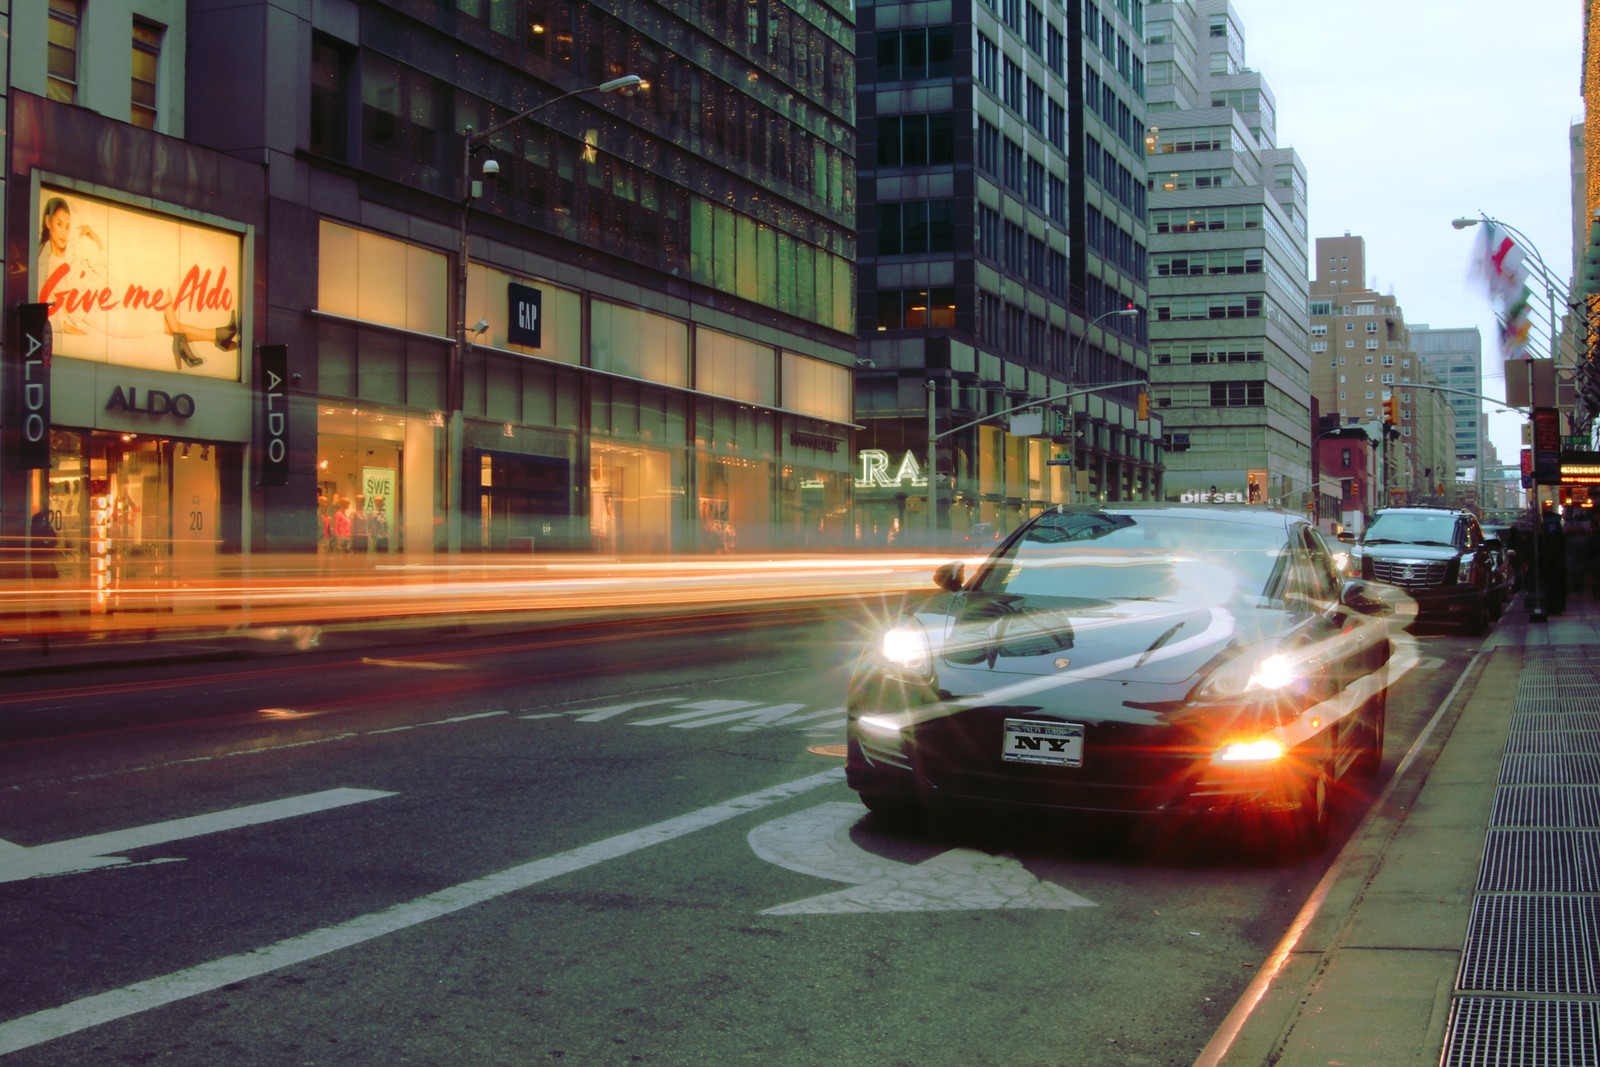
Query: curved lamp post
point(1072, 369)
point(1536, 612)
point(472, 189)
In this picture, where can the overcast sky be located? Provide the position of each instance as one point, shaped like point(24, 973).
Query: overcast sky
point(1409, 113)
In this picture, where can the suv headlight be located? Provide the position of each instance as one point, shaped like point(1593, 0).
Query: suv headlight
point(1466, 570)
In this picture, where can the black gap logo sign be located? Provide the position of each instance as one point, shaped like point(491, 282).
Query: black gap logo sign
point(526, 320)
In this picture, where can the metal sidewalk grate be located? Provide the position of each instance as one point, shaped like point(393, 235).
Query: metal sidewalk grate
point(1557, 807)
point(1532, 944)
point(1496, 1032)
point(1567, 740)
point(1540, 861)
point(1534, 722)
point(1567, 768)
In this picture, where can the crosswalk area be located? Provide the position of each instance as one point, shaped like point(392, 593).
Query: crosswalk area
point(735, 716)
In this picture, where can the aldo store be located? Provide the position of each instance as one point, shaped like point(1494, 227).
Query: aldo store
point(142, 408)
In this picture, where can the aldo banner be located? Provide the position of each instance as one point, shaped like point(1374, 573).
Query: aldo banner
point(27, 383)
point(274, 399)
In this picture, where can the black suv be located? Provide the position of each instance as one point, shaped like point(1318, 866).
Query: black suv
point(1439, 556)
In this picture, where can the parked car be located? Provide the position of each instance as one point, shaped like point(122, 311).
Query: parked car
point(1168, 661)
point(981, 533)
point(1440, 557)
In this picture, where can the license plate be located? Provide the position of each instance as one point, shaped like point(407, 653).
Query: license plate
point(1054, 744)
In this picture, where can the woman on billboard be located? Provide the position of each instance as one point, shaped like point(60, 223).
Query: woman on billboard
point(74, 279)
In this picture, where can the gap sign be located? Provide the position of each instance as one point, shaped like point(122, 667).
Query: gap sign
point(526, 316)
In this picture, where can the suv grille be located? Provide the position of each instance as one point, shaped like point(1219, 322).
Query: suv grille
point(1410, 574)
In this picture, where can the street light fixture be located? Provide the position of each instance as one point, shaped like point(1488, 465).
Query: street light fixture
point(1072, 376)
point(472, 189)
point(935, 437)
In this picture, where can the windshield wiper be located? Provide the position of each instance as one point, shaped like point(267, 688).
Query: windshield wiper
point(1158, 642)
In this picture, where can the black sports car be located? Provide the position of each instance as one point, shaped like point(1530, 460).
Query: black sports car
point(1134, 659)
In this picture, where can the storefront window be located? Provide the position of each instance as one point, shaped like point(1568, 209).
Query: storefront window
point(362, 470)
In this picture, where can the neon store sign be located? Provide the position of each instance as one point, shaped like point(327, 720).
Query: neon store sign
point(876, 470)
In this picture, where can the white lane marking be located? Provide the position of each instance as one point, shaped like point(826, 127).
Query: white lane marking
point(817, 842)
point(416, 665)
point(794, 720)
point(98, 850)
point(600, 714)
point(440, 722)
point(701, 708)
point(758, 717)
point(30, 1030)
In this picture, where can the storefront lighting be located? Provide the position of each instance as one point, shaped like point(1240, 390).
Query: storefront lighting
point(184, 454)
point(205, 452)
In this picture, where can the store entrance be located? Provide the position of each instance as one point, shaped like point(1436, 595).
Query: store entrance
point(131, 507)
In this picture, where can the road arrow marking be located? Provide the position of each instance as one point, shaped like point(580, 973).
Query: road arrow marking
point(89, 853)
point(817, 842)
point(27, 1031)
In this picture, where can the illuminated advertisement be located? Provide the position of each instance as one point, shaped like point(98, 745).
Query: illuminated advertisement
point(138, 289)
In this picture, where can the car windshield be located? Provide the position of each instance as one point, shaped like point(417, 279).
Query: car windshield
point(1103, 556)
point(1412, 527)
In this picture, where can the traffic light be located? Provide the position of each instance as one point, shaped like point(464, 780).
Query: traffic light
point(1144, 406)
point(1391, 410)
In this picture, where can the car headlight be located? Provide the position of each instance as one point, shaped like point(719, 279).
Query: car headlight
point(905, 647)
point(1255, 670)
point(1465, 572)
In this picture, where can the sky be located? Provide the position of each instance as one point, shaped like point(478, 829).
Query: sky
point(1410, 113)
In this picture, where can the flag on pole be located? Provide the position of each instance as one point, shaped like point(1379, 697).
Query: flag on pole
point(1502, 264)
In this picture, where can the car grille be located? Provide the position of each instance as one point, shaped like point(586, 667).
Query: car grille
point(1410, 573)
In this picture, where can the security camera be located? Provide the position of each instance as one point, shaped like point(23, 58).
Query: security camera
point(483, 324)
point(866, 364)
point(490, 168)
point(295, 378)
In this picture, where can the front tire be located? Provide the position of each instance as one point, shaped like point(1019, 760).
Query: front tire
point(1369, 760)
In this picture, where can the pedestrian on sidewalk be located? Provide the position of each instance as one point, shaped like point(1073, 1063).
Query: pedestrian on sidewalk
point(1580, 555)
point(1553, 564)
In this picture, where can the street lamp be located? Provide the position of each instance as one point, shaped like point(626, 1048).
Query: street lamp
point(472, 189)
point(935, 437)
point(1536, 612)
point(1072, 415)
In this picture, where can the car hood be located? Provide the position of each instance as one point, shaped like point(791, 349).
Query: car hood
point(1148, 641)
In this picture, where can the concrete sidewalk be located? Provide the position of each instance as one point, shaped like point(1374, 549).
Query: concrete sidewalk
point(1461, 924)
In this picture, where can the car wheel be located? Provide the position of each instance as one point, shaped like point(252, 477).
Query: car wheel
point(1306, 827)
point(1478, 623)
point(1370, 757)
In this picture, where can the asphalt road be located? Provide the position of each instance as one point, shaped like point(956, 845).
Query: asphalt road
point(610, 844)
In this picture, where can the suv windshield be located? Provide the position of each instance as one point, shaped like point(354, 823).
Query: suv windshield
point(1412, 527)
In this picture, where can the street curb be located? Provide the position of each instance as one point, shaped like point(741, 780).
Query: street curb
point(1302, 1010)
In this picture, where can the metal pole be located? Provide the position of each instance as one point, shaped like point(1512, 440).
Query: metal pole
point(455, 369)
point(1536, 611)
point(933, 469)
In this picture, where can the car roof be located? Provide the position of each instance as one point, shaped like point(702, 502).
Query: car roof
point(1253, 514)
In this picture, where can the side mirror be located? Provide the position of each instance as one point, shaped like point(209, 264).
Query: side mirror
point(950, 577)
point(1365, 598)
